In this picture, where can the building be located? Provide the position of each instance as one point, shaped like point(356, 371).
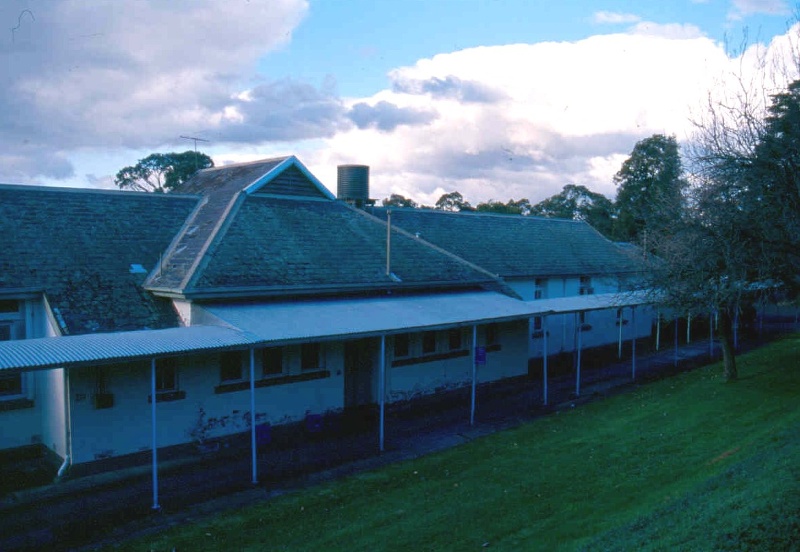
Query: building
point(249, 297)
point(542, 259)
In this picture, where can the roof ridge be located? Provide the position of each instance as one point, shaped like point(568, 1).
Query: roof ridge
point(246, 163)
point(103, 191)
point(480, 214)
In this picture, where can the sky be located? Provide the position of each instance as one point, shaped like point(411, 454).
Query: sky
point(496, 99)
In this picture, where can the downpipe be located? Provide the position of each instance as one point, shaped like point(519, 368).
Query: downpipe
point(64, 467)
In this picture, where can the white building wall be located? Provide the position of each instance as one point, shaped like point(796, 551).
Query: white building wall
point(562, 336)
point(126, 426)
point(26, 426)
point(507, 358)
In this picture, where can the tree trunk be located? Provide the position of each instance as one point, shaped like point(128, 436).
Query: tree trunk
point(728, 351)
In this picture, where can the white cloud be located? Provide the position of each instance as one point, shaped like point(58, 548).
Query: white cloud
point(130, 74)
point(569, 112)
point(744, 8)
point(606, 17)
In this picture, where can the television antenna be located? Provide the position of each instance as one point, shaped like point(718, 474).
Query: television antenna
point(195, 146)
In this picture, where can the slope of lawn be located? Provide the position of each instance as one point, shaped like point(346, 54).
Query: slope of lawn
point(687, 463)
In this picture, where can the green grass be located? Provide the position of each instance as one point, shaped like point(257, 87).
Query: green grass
point(687, 463)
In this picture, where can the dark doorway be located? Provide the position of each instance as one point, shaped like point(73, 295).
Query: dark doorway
point(360, 372)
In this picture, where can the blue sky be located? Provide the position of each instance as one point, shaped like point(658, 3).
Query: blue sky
point(494, 98)
point(360, 41)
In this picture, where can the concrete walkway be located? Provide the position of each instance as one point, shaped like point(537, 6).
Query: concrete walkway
point(108, 507)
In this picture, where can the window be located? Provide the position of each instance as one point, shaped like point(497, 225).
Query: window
point(402, 345)
point(539, 288)
point(491, 334)
point(9, 306)
point(230, 366)
point(166, 375)
point(586, 286)
point(272, 361)
point(537, 323)
point(309, 356)
point(428, 343)
point(10, 384)
point(454, 339)
point(582, 317)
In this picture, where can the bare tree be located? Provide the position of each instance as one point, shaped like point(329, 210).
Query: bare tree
point(731, 244)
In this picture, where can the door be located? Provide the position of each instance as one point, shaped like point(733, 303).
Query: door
point(360, 372)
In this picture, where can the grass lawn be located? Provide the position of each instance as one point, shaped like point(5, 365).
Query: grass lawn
point(687, 463)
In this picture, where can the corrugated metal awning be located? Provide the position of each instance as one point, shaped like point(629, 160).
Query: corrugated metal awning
point(84, 350)
point(583, 303)
point(348, 318)
point(304, 321)
point(245, 325)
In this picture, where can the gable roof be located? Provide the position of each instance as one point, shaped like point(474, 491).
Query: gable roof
point(221, 188)
point(284, 245)
point(78, 247)
point(271, 228)
point(516, 246)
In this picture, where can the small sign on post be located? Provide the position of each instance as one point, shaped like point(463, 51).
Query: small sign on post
point(480, 355)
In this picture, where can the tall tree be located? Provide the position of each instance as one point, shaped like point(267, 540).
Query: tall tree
point(579, 203)
point(650, 189)
point(161, 172)
point(453, 201)
point(772, 189)
point(397, 200)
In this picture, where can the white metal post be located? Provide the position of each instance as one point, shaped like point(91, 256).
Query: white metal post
point(711, 335)
point(688, 328)
point(544, 359)
point(676, 343)
point(474, 374)
point(578, 371)
point(633, 343)
point(381, 392)
point(153, 417)
point(253, 451)
point(658, 330)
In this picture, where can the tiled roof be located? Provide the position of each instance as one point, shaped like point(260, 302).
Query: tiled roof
point(275, 243)
point(78, 247)
point(223, 188)
point(513, 246)
point(220, 187)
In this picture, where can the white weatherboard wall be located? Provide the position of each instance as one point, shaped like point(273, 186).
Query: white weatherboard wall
point(418, 379)
point(44, 421)
point(126, 427)
point(562, 336)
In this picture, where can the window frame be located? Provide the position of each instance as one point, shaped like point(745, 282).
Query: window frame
point(585, 286)
point(401, 339)
point(230, 360)
point(163, 368)
point(539, 288)
point(269, 356)
point(427, 337)
point(11, 322)
point(455, 339)
point(308, 352)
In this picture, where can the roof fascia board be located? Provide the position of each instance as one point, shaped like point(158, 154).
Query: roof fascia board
point(283, 291)
point(290, 161)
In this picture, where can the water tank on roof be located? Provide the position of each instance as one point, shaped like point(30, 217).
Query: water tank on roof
point(352, 184)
